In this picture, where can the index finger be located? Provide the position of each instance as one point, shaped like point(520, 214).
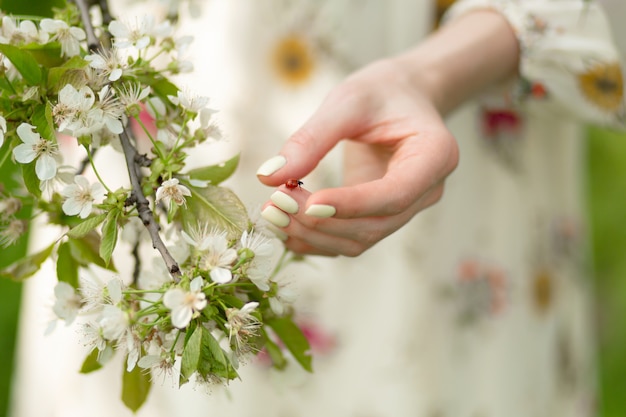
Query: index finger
point(340, 116)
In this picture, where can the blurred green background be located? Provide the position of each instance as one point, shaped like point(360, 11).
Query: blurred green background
point(607, 207)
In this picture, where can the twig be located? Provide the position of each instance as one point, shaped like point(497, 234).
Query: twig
point(143, 206)
point(92, 40)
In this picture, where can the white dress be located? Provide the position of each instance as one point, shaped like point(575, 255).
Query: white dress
point(480, 306)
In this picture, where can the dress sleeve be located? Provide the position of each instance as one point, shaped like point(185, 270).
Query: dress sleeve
point(569, 61)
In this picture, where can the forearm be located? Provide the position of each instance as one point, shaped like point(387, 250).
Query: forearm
point(462, 58)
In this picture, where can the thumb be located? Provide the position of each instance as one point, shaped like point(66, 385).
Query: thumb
point(339, 117)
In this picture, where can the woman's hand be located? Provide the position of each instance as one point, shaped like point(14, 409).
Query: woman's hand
point(399, 151)
point(396, 160)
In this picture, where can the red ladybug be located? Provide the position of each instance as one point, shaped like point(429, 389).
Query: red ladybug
point(293, 183)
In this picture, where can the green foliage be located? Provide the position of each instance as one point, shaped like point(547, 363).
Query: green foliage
point(91, 363)
point(135, 388)
point(216, 207)
point(215, 174)
point(67, 267)
point(24, 62)
point(109, 236)
point(27, 266)
point(31, 7)
point(204, 355)
point(294, 340)
point(607, 207)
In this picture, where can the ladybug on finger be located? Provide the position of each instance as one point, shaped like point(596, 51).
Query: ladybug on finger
point(293, 183)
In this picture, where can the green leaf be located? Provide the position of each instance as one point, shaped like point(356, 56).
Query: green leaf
point(91, 362)
point(42, 119)
point(216, 207)
point(215, 174)
point(71, 69)
point(30, 179)
point(136, 386)
point(47, 55)
point(191, 355)
point(294, 340)
point(275, 353)
point(26, 266)
point(86, 226)
point(85, 251)
point(204, 355)
point(109, 236)
point(67, 267)
point(24, 63)
point(31, 7)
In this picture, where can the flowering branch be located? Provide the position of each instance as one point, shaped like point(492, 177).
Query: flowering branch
point(201, 315)
point(132, 157)
point(143, 205)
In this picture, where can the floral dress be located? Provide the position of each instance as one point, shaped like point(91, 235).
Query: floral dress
point(481, 305)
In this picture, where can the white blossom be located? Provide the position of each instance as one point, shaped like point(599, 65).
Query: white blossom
point(259, 269)
point(36, 147)
point(185, 303)
point(114, 322)
point(93, 336)
point(283, 298)
point(80, 197)
point(67, 302)
point(242, 324)
point(171, 191)
point(112, 110)
point(25, 32)
point(189, 100)
point(68, 37)
point(108, 62)
point(218, 257)
point(136, 35)
point(74, 113)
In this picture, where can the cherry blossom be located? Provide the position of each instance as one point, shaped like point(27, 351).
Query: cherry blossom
point(36, 147)
point(185, 303)
point(80, 197)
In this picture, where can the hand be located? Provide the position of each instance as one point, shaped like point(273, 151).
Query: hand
point(399, 153)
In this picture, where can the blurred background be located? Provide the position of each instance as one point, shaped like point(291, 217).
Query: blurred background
point(606, 199)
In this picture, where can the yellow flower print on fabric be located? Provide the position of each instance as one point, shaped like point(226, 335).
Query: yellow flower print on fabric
point(293, 60)
point(543, 291)
point(602, 85)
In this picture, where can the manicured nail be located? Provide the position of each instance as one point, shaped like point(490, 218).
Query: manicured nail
point(321, 211)
point(271, 165)
point(284, 202)
point(275, 216)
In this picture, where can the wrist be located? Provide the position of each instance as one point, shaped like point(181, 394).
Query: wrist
point(462, 58)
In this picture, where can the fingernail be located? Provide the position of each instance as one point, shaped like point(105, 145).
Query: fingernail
point(284, 202)
point(271, 165)
point(321, 211)
point(275, 216)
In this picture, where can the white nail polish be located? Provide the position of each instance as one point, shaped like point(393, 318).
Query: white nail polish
point(321, 210)
point(275, 216)
point(271, 165)
point(284, 202)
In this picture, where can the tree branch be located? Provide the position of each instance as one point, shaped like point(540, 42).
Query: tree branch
point(92, 40)
point(143, 205)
